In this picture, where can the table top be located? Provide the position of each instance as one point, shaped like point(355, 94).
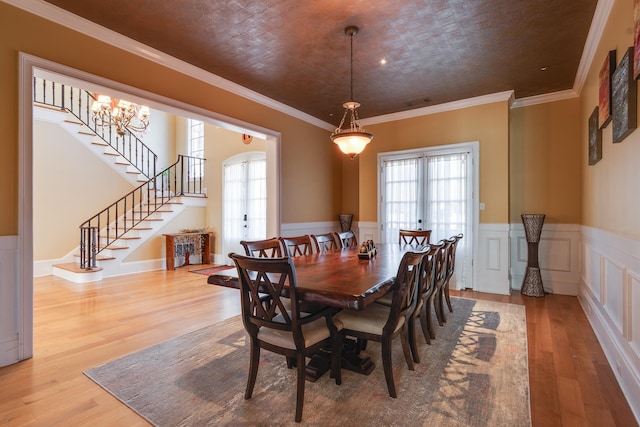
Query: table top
point(338, 278)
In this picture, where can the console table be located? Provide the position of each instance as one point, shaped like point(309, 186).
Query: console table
point(202, 246)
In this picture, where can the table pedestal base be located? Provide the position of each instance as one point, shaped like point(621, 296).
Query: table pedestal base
point(320, 363)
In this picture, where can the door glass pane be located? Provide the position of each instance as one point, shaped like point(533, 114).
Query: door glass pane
point(401, 204)
point(233, 207)
point(257, 200)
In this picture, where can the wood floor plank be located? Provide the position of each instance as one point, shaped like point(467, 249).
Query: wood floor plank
point(79, 326)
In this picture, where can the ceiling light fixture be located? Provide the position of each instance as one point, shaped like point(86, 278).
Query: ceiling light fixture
point(125, 116)
point(353, 139)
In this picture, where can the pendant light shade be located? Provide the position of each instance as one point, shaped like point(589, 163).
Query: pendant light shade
point(352, 139)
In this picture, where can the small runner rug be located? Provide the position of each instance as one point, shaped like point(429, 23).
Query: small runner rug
point(212, 270)
point(473, 374)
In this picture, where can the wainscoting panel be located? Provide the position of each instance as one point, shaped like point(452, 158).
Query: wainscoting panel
point(9, 301)
point(609, 292)
point(557, 256)
point(613, 292)
point(492, 266)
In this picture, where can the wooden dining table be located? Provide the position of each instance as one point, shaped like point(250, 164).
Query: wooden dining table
point(338, 278)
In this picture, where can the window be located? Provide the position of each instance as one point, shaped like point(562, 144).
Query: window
point(195, 139)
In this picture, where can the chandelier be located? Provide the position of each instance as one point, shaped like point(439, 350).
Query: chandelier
point(353, 139)
point(125, 116)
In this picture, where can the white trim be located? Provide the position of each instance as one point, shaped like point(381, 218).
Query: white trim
point(491, 266)
point(543, 99)
point(440, 108)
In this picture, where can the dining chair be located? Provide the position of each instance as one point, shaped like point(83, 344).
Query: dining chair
point(268, 248)
point(451, 264)
point(423, 304)
point(275, 328)
point(325, 242)
point(440, 278)
point(380, 323)
point(414, 237)
point(347, 239)
point(297, 246)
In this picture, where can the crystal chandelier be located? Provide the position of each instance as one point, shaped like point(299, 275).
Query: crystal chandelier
point(125, 116)
point(353, 139)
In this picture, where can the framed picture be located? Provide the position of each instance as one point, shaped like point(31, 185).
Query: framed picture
point(624, 98)
point(604, 95)
point(595, 138)
point(636, 38)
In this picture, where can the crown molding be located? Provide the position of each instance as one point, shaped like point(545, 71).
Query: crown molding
point(60, 16)
point(440, 108)
point(600, 18)
point(543, 99)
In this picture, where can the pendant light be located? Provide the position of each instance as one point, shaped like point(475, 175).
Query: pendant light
point(352, 139)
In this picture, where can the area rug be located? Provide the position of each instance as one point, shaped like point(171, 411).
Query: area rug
point(212, 270)
point(473, 374)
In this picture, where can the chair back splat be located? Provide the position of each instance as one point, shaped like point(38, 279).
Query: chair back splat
point(347, 239)
point(414, 237)
point(279, 326)
point(297, 246)
point(268, 248)
point(325, 242)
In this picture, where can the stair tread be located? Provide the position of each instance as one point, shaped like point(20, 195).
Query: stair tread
point(75, 268)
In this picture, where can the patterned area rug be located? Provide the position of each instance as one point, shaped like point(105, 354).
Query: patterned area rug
point(474, 374)
point(212, 270)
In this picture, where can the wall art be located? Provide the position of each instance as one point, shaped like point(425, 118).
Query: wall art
point(624, 98)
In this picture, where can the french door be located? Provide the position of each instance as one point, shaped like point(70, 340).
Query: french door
point(431, 189)
point(244, 212)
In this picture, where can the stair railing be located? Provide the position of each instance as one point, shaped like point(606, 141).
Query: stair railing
point(184, 177)
point(78, 102)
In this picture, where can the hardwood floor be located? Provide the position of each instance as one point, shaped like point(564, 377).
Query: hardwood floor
point(79, 326)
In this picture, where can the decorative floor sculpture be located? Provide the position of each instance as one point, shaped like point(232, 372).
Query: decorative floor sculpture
point(532, 283)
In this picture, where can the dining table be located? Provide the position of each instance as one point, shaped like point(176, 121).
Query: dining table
point(341, 279)
point(338, 278)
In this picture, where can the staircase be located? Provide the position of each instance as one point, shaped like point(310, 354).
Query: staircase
point(110, 236)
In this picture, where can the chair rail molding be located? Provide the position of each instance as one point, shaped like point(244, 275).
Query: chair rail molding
point(558, 255)
point(609, 292)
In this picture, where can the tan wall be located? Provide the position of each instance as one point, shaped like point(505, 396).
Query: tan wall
point(220, 144)
point(488, 124)
point(546, 162)
point(310, 163)
point(70, 185)
point(610, 187)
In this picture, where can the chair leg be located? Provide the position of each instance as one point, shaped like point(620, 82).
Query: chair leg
point(388, 366)
point(437, 306)
point(425, 321)
point(441, 304)
point(412, 337)
point(300, 365)
point(447, 297)
point(253, 369)
point(406, 346)
point(291, 362)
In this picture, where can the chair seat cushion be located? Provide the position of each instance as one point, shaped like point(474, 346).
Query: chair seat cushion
point(371, 320)
point(313, 332)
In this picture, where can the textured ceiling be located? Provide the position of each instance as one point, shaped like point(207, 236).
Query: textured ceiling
point(296, 51)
